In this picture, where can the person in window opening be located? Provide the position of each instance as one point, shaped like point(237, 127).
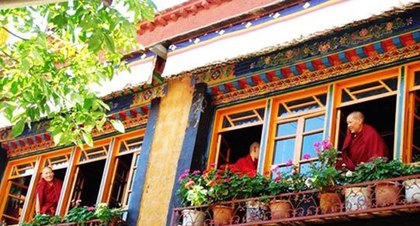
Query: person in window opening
point(362, 143)
point(248, 164)
point(47, 192)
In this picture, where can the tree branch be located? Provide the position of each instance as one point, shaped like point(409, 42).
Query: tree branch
point(17, 36)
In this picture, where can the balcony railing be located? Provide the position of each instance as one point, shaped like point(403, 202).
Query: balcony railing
point(363, 200)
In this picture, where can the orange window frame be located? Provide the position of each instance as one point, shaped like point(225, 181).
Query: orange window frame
point(275, 119)
point(6, 182)
point(411, 69)
point(218, 125)
point(115, 154)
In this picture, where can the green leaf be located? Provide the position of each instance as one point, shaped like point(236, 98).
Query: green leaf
point(88, 139)
point(17, 129)
point(57, 138)
point(117, 124)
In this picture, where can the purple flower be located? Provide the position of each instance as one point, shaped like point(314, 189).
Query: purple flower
point(326, 144)
point(306, 156)
point(289, 163)
point(196, 172)
point(317, 146)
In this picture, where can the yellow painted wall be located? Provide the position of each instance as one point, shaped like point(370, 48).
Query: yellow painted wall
point(166, 148)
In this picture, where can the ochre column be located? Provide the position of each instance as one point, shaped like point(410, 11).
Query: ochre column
point(166, 147)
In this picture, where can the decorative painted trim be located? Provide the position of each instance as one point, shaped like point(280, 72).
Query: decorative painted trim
point(25, 145)
point(325, 67)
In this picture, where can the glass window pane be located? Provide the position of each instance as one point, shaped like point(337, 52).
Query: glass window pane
point(392, 83)
point(314, 123)
point(284, 150)
point(308, 144)
point(305, 168)
point(417, 78)
point(286, 129)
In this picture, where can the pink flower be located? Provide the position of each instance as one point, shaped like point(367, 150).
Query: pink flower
point(289, 163)
point(326, 144)
point(189, 184)
point(317, 146)
point(196, 172)
point(277, 179)
point(212, 164)
point(306, 156)
point(91, 208)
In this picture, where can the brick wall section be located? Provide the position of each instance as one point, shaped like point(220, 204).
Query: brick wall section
point(166, 148)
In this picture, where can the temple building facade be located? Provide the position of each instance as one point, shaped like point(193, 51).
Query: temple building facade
point(220, 75)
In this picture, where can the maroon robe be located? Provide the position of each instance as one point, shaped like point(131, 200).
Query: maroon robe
point(48, 195)
point(362, 147)
point(246, 165)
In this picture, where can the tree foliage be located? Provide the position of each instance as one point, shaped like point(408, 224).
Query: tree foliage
point(60, 50)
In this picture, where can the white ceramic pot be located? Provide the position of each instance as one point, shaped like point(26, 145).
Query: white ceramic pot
point(357, 198)
point(412, 190)
point(193, 218)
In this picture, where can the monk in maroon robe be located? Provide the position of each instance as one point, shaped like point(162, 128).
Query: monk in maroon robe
point(248, 164)
point(48, 192)
point(362, 143)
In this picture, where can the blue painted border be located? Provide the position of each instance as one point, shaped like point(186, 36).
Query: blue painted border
point(264, 137)
point(143, 160)
point(329, 110)
point(399, 130)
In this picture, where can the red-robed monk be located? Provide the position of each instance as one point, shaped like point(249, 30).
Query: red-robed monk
point(47, 192)
point(362, 142)
point(248, 164)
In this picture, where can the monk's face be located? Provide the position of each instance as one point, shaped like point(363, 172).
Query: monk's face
point(255, 150)
point(47, 174)
point(354, 124)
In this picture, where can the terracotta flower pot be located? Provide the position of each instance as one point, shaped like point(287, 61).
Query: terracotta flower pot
point(412, 190)
point(357, 198)
point(330, 203)
point(387, 193)
point(280, 209)
point(193, 218)
point(222, 215)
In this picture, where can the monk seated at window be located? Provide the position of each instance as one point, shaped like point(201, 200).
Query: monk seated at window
point(248, 164)
point(47, 192)
point(362, 143)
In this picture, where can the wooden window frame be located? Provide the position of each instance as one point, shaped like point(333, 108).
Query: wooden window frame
point(275, 120)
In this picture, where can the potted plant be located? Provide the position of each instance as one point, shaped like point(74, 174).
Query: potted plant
point(252, 186)
point(108, 216)
point(412, 186)
point(223, 186)
point(357, 197)
point(80, 214)
point(282, 182)
point(44, 219)
point(192, 192)
point(386, 192)
point(325, 177)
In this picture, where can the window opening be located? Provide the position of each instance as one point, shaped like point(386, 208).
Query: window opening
point(243, 118)
point(415, 147)
point(379, 113)
point(379, 87)
point(235, 144)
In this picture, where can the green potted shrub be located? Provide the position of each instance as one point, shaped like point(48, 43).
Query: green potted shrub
point(192, 192)
point(108, 216)
point(386, 193)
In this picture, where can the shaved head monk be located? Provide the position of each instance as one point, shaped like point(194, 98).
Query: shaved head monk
point(249, 163)
point(47, 192)
point(362, 142)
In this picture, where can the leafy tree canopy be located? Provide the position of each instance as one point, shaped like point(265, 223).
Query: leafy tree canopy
point(60, 50)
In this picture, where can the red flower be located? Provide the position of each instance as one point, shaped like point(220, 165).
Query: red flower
point(227, 180)
point(189, 184)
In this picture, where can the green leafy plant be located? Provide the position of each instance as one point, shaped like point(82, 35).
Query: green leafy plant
point(193, 190)
point(249, 185)
point(223, 184)
point(380, 169)
point(80, 214)
point(323, 173)
point(288, 180)
point(43, 219)
point(106, 214)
